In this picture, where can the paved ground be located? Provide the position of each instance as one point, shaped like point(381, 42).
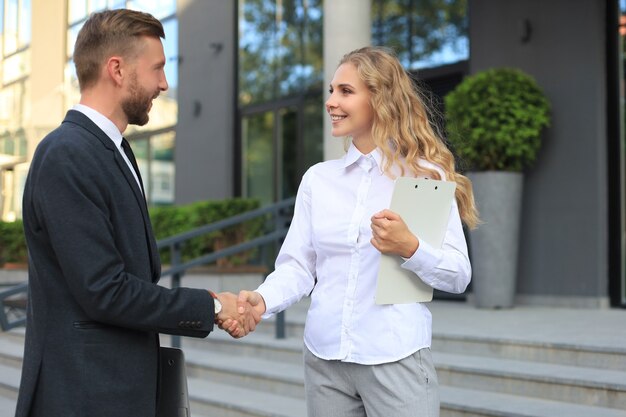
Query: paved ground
point(584, 327)
point(599, 328)
point(7, 407)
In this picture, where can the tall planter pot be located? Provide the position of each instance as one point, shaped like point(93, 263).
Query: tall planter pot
point(494, 244)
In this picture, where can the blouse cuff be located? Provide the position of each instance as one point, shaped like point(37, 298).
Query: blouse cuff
point(426, 258)
point(271, 300)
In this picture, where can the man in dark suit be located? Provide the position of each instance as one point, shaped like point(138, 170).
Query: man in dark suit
point(94, 308)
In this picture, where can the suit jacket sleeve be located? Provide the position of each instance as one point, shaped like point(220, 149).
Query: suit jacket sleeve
point(86, 221)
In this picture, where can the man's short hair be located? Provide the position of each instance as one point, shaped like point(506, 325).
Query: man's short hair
point(110, 33)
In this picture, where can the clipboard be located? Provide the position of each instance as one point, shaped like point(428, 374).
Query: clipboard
point(424, 205)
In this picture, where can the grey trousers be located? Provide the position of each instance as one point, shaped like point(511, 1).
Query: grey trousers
point(407, 388)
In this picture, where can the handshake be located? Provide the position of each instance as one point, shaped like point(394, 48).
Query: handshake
point(240, 314)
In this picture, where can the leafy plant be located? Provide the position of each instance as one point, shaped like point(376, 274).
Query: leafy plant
point(13, 243)
point(168, 221)
point(172, 220)
point(495, 118)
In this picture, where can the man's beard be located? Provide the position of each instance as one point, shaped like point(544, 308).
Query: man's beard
point(137, 106)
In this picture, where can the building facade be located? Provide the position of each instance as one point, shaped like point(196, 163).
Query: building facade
point(244, 113)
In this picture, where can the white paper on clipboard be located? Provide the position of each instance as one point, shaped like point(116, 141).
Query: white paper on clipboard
point(424, 205)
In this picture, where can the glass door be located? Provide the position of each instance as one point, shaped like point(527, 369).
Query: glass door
point(279, 142)
point(258, 157)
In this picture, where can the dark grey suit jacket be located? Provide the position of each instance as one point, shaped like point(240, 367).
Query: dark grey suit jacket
point(94, 309)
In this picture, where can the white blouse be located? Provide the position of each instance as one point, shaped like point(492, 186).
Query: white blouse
point(327, 253)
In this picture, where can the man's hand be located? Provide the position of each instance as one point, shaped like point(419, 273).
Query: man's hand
point(238, 319)
point(246, 300)
point(254, 299)
point(390, 235)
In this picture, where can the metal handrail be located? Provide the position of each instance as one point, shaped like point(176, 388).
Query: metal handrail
point(280, 213)
point(176, 242)
point(281, 216)
point(5, 296)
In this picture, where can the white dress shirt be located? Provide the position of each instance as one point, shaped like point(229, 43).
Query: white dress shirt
point(109, 128)
point(329, 240)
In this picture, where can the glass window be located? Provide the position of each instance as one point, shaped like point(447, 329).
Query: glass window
point(97, 5)
point(16, 66)
point(71, 89)
point(280, 48)
point(155, 158)
point(424, 33)
point(141, 149)
point(258, 157)
point(280, 65)
point(170, 47)
point(313, 134)
point(117, 4)
point(24, 22)
point(13, 112)
point(77, 10)
point(1, 24)
point(158, 8)
point(72, 33)
point(162, 168)
point(10, 27)
point(9, 102)
point(13, 144)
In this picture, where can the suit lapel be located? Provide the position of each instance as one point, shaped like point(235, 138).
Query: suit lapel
point(141, 201)
point(80, 119)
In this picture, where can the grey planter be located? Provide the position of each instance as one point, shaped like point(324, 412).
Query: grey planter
point(494, 244)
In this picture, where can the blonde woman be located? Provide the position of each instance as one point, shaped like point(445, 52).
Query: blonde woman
point(364, 359)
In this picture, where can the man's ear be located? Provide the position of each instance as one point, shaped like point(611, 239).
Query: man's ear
point(114, 69)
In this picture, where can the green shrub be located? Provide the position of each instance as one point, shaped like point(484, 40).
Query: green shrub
point(168, 221)
point(495, 118)
point(12, 243)
point(173, 220)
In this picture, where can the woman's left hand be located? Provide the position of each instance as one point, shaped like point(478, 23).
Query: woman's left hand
point(390, 235)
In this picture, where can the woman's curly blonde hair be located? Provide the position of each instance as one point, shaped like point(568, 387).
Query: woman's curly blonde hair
point(402, 127)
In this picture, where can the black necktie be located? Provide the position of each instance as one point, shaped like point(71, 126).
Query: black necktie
point(131, 157)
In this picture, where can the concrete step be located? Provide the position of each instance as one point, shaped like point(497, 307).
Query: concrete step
point(10, 277)
point(7, 406)
point(9, 383)
point(11, 351)
point(262, 375)
point(602, 357)
point(460, 402)
point(569, 385)
point(482, 373)
point(213, 398)
point(255, 345)
point(575, 385)
point(295, 317)
point(493, 345)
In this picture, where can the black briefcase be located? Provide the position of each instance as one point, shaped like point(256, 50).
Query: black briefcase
point(173, 397)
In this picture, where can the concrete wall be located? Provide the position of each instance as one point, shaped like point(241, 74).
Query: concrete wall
point(342, 35)
point(48, 50)
point(564, 242)
point(205, 133)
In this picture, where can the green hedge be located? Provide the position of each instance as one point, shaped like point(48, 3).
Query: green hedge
point(172, 220)
point(12, 243)
point(168, 221)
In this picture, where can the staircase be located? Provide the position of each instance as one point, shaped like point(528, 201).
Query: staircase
point(530, 362)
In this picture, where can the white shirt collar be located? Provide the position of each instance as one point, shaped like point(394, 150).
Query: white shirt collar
point(109, 128)
point(353, 155)
point(105, 124)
